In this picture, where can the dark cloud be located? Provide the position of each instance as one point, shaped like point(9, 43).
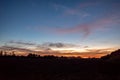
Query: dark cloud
point(21, 42)
point(10, 48)
point(39, 47)
point(44, 46)
point(58, 45)
point(86, 46)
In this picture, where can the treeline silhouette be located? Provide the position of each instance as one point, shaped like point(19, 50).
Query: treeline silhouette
point(31, 55)
point(36, 67)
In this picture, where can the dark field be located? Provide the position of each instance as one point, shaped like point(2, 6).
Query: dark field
point(54, 68)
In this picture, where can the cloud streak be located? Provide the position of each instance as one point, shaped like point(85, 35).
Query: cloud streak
point(102, 23)
point(11, 48)
point(87, 28)
point(88, 53)
point(58, 45)
point(21, 42)
point(47, 46)
point(78, 9)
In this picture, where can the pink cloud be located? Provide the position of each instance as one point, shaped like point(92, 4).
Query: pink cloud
point(88, 28)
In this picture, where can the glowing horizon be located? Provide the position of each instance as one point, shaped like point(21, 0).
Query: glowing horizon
point(78, 27)
point(84, 53)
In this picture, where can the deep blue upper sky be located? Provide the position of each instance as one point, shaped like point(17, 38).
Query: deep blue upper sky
point(93, 23)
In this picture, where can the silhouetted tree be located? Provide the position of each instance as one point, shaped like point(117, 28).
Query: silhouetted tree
point(1, 53)
point(50, 57)
point(5, 53)
point(13, 53)
point(33, 55)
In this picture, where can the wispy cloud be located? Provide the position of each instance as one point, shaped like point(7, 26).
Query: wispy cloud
point(108, 18)
point(75, 10)
point(88, 28)
point(79, 9)
point(11, 48)
point(21, 42)
point(88, 53)
point(100, 51)
point(58, 45)
point(47, 46)
point(102, 23)
point(42, 48)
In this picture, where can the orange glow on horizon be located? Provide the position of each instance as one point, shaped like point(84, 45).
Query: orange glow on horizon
point(84, 53)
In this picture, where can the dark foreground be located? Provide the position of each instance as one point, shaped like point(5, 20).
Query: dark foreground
point(54, 68)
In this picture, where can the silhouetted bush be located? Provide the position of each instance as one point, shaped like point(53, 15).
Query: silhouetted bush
point(32, 55)
point(1, 53)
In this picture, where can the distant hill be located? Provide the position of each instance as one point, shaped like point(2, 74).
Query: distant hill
point(115, 55)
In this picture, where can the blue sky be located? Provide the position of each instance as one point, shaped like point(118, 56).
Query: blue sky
point(92, 23)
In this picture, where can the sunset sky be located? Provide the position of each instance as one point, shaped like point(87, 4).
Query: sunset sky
point(87, 28)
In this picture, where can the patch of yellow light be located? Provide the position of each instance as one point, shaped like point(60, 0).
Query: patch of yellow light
point(66, 50)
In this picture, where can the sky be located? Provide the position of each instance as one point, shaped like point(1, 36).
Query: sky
point(87, 28)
